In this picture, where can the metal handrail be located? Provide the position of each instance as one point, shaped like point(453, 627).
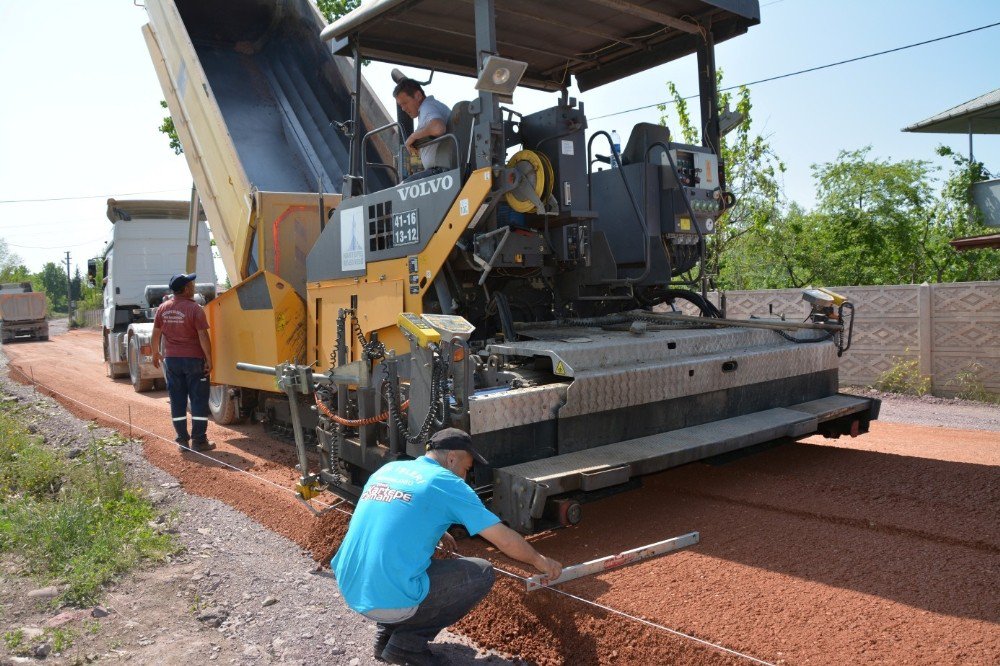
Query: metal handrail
point(431, 142)
point(364, 141)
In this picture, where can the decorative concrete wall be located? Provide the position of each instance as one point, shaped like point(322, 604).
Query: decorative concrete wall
point(949, 328)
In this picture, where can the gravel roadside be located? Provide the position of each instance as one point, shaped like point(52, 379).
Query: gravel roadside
point(237, 593)
point(935, 412)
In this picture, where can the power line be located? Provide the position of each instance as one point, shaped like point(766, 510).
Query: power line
point(810, 69)
point(55, 247)
point(91, 196)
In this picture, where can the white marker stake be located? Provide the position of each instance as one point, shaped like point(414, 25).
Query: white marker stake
point(615, 561)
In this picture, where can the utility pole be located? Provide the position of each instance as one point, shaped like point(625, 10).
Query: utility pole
point(69, 294)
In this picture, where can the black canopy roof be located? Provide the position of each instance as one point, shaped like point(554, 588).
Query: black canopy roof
point(597, 41)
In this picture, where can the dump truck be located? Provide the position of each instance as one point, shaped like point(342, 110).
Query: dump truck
point(524, 291)
point(150, 241)
point(22, 313)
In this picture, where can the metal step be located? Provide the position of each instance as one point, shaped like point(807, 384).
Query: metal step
point(521, 491)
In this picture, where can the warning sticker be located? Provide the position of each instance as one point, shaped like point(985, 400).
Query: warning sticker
point(560, 368)
point(685, 224)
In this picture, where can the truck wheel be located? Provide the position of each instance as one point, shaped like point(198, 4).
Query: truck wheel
point(224, 405)
point(140, 385)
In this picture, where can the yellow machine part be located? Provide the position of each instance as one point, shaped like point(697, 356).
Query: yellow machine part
point(838, 300)
point(418, 327)
point(262, 320)
point(538, 163)
point(383, 292)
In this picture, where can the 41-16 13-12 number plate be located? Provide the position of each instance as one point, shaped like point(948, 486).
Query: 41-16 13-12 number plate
point(405, 230)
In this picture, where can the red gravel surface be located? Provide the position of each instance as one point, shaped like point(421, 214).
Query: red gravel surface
point(881, 549)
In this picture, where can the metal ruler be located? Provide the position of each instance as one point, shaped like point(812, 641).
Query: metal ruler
point(615, 561)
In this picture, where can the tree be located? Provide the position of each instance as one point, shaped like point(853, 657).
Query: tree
point(76, 285)
point(9, 263)
point(52, 280)
point(875, 214)
point(955, 216)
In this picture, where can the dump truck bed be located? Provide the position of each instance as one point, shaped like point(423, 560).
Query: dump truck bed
point(22, 307)
point(254, 96)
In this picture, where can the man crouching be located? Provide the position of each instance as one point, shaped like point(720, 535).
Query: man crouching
point(384, 566)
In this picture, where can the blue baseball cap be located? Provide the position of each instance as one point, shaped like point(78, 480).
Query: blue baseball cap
point(178, 282)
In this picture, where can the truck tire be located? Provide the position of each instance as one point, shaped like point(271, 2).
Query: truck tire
point(140, 385)
point(225, 406)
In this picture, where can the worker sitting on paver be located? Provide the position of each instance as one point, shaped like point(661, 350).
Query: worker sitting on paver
point(384, 566)
point(187, 359)
point(432, 119)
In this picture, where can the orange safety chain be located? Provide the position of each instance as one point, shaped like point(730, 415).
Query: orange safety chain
point(355, 423)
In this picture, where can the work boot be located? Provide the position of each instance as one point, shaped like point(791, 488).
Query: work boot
point(203, 446)
point(183, 445)
point(382, 634)
point(394, 655)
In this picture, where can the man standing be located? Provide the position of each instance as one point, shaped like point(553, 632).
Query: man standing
point(384, 566)
point(187, 361)
point(432, 122)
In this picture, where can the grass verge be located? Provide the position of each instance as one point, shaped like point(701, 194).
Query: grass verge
point(71, 521)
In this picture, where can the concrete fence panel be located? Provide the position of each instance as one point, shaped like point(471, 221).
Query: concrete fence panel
point(950, 329)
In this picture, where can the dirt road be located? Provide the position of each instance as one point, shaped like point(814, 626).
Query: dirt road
point(882, 549)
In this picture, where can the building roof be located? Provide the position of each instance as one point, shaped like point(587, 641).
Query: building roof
point(596, 41)
point(976, 242)
point(978, 116)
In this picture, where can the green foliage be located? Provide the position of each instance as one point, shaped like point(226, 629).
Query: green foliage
point(73, 520)
point(904, 377)
point(52, 280)
point(10, 265)
point(92, 293)
point(15, 273)
point(873, 217)
point(13, 639)
point(62, 639)
point(967, 384)
point(334, 9)
point(167, 127)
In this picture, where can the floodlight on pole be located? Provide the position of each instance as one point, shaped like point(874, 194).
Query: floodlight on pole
point(500, 75)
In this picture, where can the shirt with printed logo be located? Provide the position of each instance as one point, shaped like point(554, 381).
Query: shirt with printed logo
point(403, 512)
point(179, 320)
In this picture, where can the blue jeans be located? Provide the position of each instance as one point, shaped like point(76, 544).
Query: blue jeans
point(187, 380)
point(457, 585)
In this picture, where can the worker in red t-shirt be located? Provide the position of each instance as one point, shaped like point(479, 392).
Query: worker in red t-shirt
point(187, 359)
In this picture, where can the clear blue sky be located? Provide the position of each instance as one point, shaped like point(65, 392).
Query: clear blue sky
point(81, 101)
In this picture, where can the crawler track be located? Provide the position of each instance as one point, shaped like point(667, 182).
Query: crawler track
point(883, 549)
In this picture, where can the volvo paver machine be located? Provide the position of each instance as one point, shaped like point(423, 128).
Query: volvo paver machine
point(528, 291)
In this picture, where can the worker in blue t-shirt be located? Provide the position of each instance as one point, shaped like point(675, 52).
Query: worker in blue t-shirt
point(384, 566)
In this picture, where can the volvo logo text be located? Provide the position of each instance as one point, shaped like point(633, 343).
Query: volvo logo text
point(425, 187)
